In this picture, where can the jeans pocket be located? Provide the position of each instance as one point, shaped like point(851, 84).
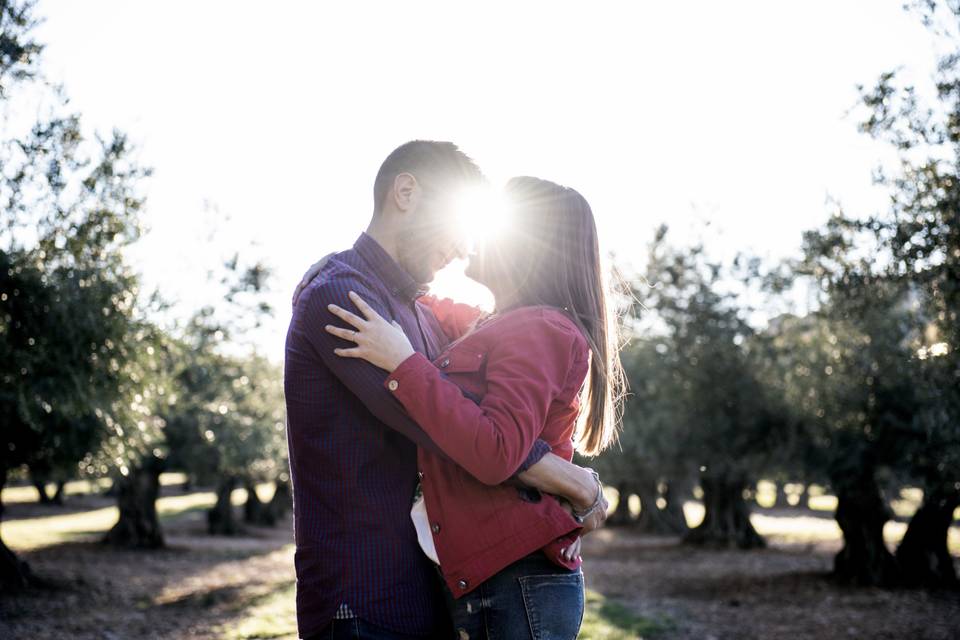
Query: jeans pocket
point(554, 605)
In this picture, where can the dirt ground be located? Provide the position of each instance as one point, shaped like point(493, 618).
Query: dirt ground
point(242, 587)
point(779, 593)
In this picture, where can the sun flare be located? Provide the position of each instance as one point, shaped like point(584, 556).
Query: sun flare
point(482, 212)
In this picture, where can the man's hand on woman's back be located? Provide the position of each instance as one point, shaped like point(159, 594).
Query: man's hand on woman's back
point(308, 276)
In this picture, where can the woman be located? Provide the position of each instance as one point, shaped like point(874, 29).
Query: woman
point(509, 559)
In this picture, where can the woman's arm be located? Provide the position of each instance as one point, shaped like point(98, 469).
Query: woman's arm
point(525, 371)
point(455, 318)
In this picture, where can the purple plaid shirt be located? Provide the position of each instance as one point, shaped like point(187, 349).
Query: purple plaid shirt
point(353, 456)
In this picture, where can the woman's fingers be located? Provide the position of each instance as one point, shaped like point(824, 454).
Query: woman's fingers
point(346, 316)
point(355, 352)
point(340, 332)
point(572, 552)
point(368, 311)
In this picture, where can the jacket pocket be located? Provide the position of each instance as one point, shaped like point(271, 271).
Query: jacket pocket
point(460, 361)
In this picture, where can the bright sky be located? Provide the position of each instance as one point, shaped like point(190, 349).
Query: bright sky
point(265, 123)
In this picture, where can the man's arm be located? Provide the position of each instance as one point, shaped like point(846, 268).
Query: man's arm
point(363, 379)
point(552, 474)
point(541, 470)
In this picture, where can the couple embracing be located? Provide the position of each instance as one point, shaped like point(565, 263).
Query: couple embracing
point(430, 443)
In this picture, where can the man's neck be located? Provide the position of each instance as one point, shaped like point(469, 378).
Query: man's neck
point(384, 235)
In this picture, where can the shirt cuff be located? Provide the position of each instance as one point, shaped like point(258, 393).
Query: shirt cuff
point(540, 449)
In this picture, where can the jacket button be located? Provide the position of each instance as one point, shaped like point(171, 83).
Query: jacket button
point(446, 361)
point(463, 584)
point(436, 527)
point(392, 385)
point(420, 474)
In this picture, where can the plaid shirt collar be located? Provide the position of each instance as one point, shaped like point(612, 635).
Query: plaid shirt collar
point(400, 282)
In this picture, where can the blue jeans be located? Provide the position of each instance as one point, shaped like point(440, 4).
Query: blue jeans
point(357, 629)
point(532, 599)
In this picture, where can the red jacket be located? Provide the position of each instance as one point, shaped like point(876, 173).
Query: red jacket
point(484, 401)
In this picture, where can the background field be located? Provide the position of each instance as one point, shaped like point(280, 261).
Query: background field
point(640, 586)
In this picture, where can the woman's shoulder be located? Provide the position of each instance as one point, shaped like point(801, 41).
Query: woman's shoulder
point(545, 321)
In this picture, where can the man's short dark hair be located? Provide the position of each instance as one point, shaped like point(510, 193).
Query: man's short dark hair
point(434, 164)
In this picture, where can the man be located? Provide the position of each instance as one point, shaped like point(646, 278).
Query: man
point(360, 571)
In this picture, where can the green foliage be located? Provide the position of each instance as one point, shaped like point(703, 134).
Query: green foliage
point(228, 417)
point(82, 367)
point(880, 363)
point(653, 436)
point(18, 51)
point(695, 397)
point(921, 235)
point(80, 359)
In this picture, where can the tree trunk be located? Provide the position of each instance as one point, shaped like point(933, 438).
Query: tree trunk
point(861, 513)
point(781, 502)
point(15, 574)
point(649, 520)
point(256, 511)
point(652, 518)
point(803, 503)
point(621, 513)
point(281, 502)
point(40, 484)
point(672, 514)
point(726, 520)
point(922, 556)
point(57, 498)
point(138, 526)
point(220, 518)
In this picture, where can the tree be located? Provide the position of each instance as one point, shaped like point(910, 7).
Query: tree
point(18, 51)
point(76, 394)
point(227, 425)
point(716, 408)
point(921, 234)
point(845, 373)
point(649, 461)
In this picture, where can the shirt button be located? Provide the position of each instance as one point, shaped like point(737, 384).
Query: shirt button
point(436, 527)
point(463, 584)
point(392, 385)
point(445, 362)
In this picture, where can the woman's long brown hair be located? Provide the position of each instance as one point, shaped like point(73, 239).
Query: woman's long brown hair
point(552, 257)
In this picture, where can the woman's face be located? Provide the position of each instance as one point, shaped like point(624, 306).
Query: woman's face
point(475, 263)
point(499, 254)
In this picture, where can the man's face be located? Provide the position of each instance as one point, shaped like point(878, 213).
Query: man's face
point(432, 236)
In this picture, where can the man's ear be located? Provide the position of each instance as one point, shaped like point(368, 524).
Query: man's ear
point(406, 192)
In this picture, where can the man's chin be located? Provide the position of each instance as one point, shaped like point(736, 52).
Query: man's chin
point(425, 275)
